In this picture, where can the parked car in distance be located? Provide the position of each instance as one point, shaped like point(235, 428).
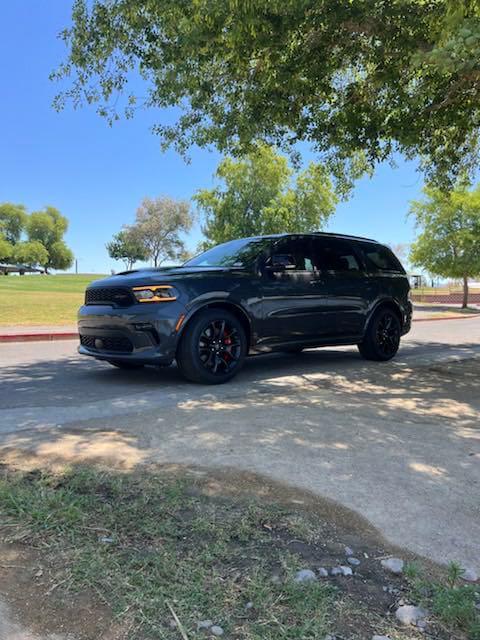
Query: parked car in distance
point(251, 295)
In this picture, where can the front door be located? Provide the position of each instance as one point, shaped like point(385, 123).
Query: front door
point(293, 301)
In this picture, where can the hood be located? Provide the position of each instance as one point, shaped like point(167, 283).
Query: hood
point(156, 276)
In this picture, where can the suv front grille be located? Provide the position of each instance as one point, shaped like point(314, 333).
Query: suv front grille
point(119, 344)
point(117, 296)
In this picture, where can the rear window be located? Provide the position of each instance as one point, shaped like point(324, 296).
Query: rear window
point(380, 258)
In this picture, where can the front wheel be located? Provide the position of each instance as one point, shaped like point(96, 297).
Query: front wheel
point(382, 338)
point(213, 347)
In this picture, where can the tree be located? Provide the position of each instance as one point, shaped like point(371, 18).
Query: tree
point(159, 223)
point(126, 246)
point(6, 249)
point(31, 253)
point(13, 218)
point(449, 241)
point(48, 228)
point(347, 76)
point(257, 196)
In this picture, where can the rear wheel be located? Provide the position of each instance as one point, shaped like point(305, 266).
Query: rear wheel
point(382, 338)
point(125, 365)
point(213, 347)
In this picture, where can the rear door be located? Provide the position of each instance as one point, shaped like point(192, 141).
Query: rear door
point(341, 278)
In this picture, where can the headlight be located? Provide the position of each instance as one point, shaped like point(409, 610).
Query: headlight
point(155, 293)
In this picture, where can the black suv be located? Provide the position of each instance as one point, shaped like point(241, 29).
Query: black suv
point(253, 295)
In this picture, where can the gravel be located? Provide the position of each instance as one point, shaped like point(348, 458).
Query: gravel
point(394, 565)
point(305, 575)
point(410, 615)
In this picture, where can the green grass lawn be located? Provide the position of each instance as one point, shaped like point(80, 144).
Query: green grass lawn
point(40, 299)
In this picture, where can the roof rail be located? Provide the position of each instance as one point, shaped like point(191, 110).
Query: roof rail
point(343, 235)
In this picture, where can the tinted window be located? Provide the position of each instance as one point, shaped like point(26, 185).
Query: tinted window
point(295, 251)
point(334, 255)
point(237, 253)
point(379, 258)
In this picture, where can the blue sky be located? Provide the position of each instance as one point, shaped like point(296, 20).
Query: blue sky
point(97, 175)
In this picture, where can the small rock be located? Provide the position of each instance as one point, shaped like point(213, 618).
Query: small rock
point(106, 539)
point(353, 561)
point(204, 624)
point(477, 606)
point(346, 571)
point(305, 575)
point(336, 571)
point(380, 637)
point(348, 551)
point(470, 575)
point(216, 630)
point(394, 565)
point(322, 572)
point(422, 624)
point(249, 605)
point(329, 637)
point(408, 614)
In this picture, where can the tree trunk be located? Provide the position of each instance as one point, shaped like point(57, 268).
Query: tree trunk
point(465, 292)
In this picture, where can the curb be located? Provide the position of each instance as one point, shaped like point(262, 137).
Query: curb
point(472, 315)
point(38, 337)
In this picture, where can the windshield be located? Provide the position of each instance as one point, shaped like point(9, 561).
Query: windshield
point(237, 253)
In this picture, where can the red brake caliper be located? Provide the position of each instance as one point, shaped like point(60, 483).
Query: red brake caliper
point(227, 341)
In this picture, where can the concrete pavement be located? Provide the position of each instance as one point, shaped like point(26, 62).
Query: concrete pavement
point(398, 442)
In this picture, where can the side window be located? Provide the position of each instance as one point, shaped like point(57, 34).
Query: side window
point(335, 255)
point(294, 252)
point(379, 258)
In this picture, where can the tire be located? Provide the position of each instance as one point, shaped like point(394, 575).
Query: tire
point(382, 337)
point(213, 347)
point(127, 366)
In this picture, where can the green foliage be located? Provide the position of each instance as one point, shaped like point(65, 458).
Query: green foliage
point(48, 228)
point(348, 77)
point(158, 225)
point(30, 253)
point(257, 196)
point(6, 249)
point(449, 242)
point(127, 247)
point(13, 218)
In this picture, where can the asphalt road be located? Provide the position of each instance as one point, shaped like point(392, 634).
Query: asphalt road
point(398, 442)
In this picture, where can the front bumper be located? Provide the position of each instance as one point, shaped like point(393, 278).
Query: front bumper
point(142, 333)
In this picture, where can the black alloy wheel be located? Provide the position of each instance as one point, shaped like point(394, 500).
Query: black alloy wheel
point(219, 347)
point(382, 338)
point(212, 348)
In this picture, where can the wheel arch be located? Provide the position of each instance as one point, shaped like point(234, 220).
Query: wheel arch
point(387, 303)
point(234, 308)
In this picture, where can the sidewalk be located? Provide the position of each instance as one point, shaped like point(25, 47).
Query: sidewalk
point(12, 333)
point(425, 311)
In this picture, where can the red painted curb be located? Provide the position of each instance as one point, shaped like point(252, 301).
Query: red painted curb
point(33, 337)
